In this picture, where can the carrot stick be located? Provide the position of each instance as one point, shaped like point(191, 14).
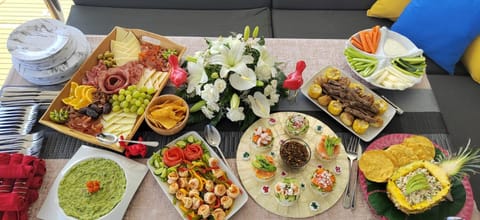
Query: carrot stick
point(377, 36)
point(363, 40)
point(356, 39)
point(357, 44)
point(368, 39)
point(374, 42)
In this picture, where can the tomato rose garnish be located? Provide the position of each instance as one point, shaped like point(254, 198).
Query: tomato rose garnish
point(173, 156)
point(193, 152)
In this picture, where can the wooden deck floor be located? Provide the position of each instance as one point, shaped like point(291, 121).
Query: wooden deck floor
point(14, 13)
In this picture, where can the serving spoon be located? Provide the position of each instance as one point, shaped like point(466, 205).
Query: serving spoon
point(212, 136)
point(108, 138)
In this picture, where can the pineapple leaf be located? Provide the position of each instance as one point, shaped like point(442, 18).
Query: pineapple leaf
point(466, 161)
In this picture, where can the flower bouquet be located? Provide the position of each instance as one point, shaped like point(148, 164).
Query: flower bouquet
point(235, 77)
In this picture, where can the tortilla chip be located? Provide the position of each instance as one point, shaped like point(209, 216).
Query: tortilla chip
point(421, 146)
point(400, 154)
point(376, 166)
point(167, 114)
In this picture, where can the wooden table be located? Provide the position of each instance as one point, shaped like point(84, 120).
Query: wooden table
point(150, 202)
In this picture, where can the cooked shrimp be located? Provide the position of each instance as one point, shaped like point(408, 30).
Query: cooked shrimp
point(173, 188)
point(196, 203)
point(204, 210)
point(209, 186)
point(193, 183)
point(180, 194)
point(213, 162)
point(187, 202)
point(220, 190)
point(218, 173)
point(182, 182)
point(226, 202)
point(218, 214)
point(295, 189)
point(209, 197)
point(172, 177)
point(233, 191)
point(183, 172)
point(193, 192)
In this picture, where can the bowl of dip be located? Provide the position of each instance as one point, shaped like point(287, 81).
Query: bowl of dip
point(396, 64)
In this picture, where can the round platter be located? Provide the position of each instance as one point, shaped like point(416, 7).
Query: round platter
point(384, 55)
point(310, 203)
point(37, 39)
point(375, 192)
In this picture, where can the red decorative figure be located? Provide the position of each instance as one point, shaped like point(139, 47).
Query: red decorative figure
point(178, 76)
point(294, 80)
point(134, 149)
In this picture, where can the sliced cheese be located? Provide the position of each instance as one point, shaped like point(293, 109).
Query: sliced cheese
point(121, 34)
point(122, 60)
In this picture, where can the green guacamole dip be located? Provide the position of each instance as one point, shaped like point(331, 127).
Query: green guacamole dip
point(74, 198)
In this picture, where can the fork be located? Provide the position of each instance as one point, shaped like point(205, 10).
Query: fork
point(352, 154)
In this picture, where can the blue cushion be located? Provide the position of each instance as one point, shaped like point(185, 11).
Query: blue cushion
point(442, 28)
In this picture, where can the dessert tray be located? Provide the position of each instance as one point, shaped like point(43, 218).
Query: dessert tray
point(310, 202)
point(134, 174)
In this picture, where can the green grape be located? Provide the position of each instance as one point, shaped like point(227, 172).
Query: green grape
point(115, 97)
point(132, 102)
point(111, 101)
point(140, 111)
point(126, 110)
point(116, 108)
point(128, 92)
point(124, 104)
point(149, 97)
point(138, 103)
point(121, 92)
point(143, 95)
point(143, 89)
point(114, 103)
point(143, 106)
point(133, 108)
point(121, 97)
point(132, 88)
point(146, 101)
point(128, 97)
point(136, 94)
point(150, 91)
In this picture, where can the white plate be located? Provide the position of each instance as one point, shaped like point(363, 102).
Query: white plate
point(134, 173)
point(37, 39)
point(62, 72)
point(371, 132)
point(238, 202)
point(384, 59)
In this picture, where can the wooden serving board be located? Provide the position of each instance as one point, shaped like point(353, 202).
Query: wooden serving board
point(87, 65)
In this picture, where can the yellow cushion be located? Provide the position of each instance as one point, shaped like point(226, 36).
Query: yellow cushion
point(390, 9)
point(471, 59)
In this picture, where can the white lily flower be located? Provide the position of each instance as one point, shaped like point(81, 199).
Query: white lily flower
point(244, 78)
point(231, 58)
point(235, 114)
point(265, 68)
point(197, 75)
point(220, 84)
point(274, 99)
point(260, 105)
point(207, 112)
point(210, 94)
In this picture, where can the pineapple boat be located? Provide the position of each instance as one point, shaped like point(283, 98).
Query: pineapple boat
point(420, 184)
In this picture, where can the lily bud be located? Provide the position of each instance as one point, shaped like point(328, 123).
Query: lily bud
point(197, 106)
point(234, 101)
point(214, 75)
point(260, 83)
point(255, 32)
point(246, 33)
point(191, 59)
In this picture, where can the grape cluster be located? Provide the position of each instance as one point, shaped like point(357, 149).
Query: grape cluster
point(132, 99)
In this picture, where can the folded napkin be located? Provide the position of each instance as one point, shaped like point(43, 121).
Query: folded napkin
point(20, 178)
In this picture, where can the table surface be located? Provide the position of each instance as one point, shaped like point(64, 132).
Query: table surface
point(421, 116)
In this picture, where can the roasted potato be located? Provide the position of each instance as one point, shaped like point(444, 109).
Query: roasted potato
point(315, 90)
point(381, 105)
point(335, 107)
point(347, 118)
point(360, 126)
point(324, 100)
point(378, 122)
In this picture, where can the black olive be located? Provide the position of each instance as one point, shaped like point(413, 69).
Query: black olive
point(83, 110)
point(96, 108)
point(92, 113)
point(107, 108)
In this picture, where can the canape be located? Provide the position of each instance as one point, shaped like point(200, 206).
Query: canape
point(322, 181)
point(296, 125)
point(328, 148)
point(287, 191)
point(262, 139)
point(264, 167)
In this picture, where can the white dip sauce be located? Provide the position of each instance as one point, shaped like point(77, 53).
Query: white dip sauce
point(393, 48)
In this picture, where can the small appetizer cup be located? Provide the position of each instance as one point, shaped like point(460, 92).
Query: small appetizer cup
point(322, 153)
point(297, 125)
point(262, 139)
point(263, 175)
point(287, 192)
point(322, 181)
point(295, 153)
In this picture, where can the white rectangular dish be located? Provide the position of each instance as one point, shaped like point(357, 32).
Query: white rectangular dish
point(134, 174)
point(371, 132)
point(239, 201)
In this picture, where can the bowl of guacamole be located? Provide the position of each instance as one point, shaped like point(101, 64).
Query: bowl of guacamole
point(78, 199)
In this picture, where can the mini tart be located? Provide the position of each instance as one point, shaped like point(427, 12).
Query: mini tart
point(287, 191)
point(321, 151)
point(263, 175)
point(296, 125)
point(323, 181)
point(262, 139)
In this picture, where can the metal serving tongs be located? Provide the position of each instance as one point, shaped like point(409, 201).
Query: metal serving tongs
point(397, 109)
